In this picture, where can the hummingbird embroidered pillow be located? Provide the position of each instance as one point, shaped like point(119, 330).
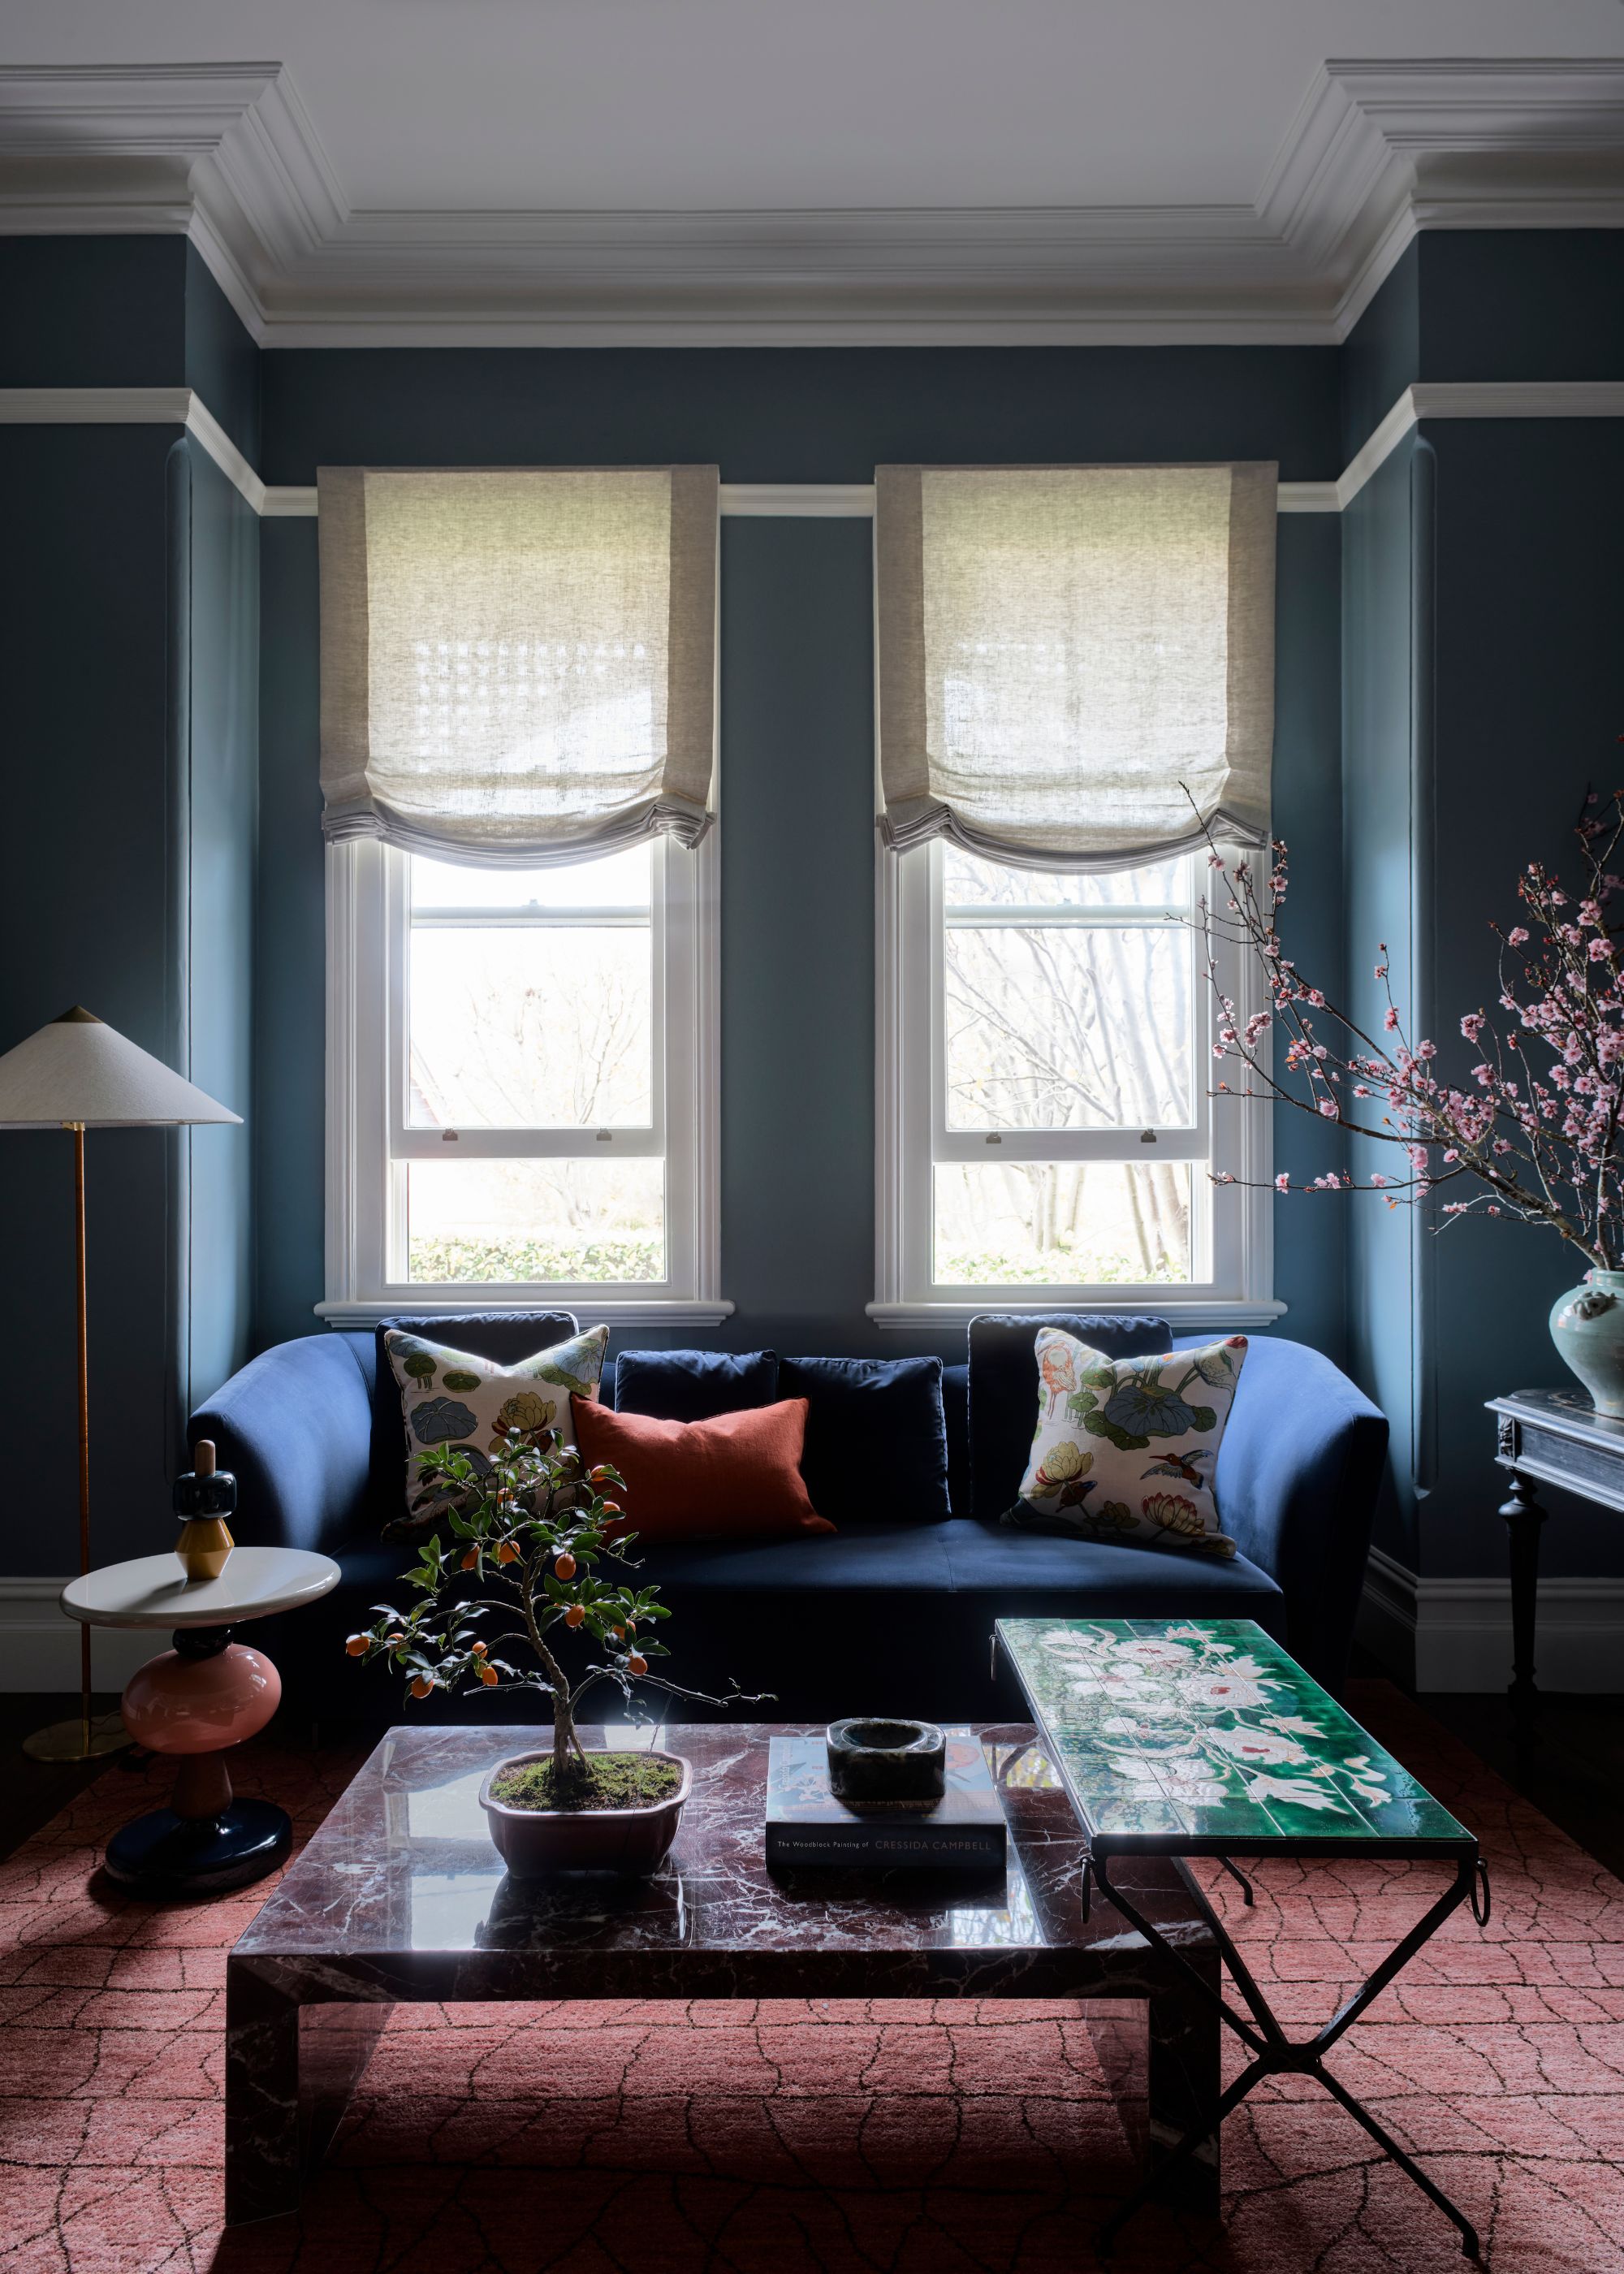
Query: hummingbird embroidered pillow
point(451, 1398)
point(1125, 1448)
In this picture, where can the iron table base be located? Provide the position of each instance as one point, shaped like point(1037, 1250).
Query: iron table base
point(1274, 2053)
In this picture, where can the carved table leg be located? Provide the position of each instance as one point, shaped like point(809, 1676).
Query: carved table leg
point(1524, 1517)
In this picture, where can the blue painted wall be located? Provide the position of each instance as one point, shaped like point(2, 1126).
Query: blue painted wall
point(129, 597)
point(1483, 593)
point(797, 700)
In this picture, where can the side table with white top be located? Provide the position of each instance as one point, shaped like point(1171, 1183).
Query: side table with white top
point(195, 1700)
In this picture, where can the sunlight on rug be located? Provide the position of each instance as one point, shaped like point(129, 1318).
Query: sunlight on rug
point(881, 2138)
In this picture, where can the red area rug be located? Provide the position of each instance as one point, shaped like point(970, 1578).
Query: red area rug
point(881, 2139)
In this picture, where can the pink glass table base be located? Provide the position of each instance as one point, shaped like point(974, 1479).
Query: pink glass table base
point(194, 1702)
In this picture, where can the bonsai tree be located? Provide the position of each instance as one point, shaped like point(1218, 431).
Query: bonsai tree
point(530, 1567)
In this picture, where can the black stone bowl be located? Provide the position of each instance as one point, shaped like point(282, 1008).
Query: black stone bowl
point(885, 1761)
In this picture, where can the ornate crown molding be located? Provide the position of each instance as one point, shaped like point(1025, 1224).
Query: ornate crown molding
point(1378, 151)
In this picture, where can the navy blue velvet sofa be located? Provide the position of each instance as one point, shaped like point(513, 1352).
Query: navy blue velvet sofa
point(887, 1616)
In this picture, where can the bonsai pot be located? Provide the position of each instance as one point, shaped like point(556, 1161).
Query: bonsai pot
point(533, 1841)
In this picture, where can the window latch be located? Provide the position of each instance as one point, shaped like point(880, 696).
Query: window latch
point(1147, 1136)
point(605, 1136)
point(994, 1138)
point(448, 1137)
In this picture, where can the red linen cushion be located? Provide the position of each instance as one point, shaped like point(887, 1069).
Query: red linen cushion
point(736, 1476)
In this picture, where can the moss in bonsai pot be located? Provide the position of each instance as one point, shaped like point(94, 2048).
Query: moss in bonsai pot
point(603, 1781)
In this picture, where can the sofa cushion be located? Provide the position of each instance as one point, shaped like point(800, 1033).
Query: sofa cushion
point(876, 1435)
point(736, 1476)
point(456, 1397)
point(1003, 1389)
point(1014, 1573)
point(500, 1335)
point(1126, 1448)
point(693, 1385)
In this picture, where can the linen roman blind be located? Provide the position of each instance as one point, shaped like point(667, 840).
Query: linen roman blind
point(518, 665)
point(1075, 662)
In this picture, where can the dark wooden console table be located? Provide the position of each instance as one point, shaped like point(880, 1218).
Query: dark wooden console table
point(1554, 1437)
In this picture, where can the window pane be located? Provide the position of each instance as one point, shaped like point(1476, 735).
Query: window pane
point(536, 1220)
point(1062, 1223)
point(1053, 1026)
point(969, 881)
point(619, 880)
point(533, 1015)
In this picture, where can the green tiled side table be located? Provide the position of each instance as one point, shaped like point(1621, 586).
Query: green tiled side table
point(1185, 1737)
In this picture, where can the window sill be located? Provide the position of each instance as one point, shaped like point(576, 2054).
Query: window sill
point(1191, 1313)
point(615, 1311)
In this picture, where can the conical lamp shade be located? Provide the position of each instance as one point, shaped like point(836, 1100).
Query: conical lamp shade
point(79, 1069)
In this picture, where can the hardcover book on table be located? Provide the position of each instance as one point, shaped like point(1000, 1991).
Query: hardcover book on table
point(806, 1825)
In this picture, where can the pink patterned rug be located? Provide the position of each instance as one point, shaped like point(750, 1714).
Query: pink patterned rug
point(881, 2139)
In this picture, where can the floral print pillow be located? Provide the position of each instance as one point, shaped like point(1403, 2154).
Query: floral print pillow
point(450, 1398)
point(1125, 1448)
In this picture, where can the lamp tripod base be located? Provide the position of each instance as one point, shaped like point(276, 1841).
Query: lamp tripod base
point(87, 1737)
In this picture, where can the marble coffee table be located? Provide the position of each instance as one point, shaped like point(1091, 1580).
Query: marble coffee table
point(402, 1896)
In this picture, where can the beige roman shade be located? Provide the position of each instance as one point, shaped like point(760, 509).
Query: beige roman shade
point(1075, 662)
point(518, 666)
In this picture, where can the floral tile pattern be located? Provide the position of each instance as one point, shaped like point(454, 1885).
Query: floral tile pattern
point(1207, 1732)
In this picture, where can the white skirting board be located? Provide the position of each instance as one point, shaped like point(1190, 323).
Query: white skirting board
point(39, 1643)
point(1456, 1634)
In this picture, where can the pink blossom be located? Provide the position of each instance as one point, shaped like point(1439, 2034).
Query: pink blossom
point(1391, 1020)
point(1283, 1182)
point(1517, 935)
point(1378, 1178)
point(1327, 1106)
point(1471, 1025)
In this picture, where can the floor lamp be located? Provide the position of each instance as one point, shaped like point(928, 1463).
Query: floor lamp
point(76, 1074)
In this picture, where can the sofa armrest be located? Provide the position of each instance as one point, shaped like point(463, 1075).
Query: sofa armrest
point(1298, 1475)
point(295, 1426)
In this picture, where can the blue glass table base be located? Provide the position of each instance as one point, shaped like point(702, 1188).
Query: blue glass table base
point(165, 1855)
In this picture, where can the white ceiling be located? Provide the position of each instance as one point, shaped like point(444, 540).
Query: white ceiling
point(385, 132)
point(753, 105)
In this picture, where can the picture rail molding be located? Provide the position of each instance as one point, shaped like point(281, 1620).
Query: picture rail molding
point(1424, 400)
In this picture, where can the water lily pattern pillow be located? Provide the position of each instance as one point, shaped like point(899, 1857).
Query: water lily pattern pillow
point(451, 1398)
point(1125, 1448)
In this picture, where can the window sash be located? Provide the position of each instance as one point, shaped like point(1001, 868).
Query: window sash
point(576, 1141)
point(1230, 1250)
point(367, 912)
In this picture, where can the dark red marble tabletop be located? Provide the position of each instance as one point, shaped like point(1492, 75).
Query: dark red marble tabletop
point(403, 1868)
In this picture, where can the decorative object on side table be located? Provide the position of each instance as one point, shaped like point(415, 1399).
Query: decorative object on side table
point(1534, 1118)
point(1185, 1737)
point(197, 1701)
point(79, 1074)
point(204, 1497)
point(529, 1526)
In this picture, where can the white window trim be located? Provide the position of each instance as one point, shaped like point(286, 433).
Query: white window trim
point(364, 921)
point(1241, 1292)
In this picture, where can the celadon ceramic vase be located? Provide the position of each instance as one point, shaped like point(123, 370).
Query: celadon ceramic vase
point(1587, 1326)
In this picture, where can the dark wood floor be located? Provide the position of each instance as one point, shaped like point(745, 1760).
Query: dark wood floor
point(1571, 1767)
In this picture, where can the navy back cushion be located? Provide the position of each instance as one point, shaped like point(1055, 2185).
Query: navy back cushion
point(502, 1336)
point(877, 1437)
point(690, 1385)
point(1003, 1389)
